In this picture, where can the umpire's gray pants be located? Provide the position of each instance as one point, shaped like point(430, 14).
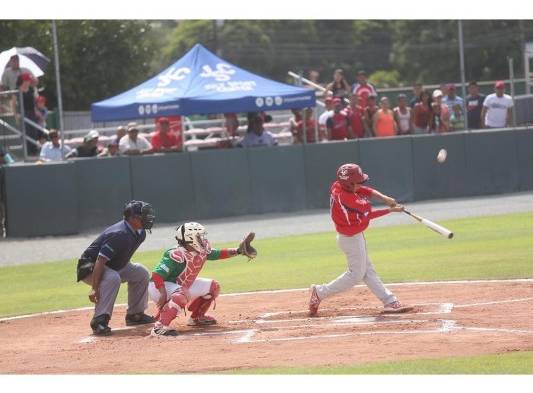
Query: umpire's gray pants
point(137, 277)
point(360, 268)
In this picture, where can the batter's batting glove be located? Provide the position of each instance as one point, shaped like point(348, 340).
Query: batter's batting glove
point(245, 247)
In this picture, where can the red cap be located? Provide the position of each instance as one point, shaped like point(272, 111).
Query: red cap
point(26, 76)
point(499, 85)
point(41, 100)
point(163, 120)
point(348, 174)
point(337, 100)
point(451, 86)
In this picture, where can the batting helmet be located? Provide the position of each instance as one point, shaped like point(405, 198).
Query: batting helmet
point(194, 235)
point(140, 209)
point(349, 175)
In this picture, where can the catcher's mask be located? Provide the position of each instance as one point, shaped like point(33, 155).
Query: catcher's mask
point(193, 234)
point(142, 210)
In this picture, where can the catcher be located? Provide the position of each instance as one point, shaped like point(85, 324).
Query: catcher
point(175, 283)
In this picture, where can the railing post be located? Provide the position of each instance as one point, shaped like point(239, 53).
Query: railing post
point(23, 126)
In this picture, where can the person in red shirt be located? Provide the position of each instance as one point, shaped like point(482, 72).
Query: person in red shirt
point(163, 140)
point(355, 114)
point(351, 212)
point(338, 125)
point(310, 128)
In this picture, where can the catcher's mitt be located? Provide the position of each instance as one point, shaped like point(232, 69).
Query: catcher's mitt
point(245, 247)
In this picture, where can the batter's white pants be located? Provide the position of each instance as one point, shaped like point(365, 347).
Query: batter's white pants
point(200, 287)
point(360, 268)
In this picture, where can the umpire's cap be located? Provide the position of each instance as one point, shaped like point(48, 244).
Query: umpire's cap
point(141, 209)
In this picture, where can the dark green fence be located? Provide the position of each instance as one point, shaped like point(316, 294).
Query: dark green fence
point(65, 198)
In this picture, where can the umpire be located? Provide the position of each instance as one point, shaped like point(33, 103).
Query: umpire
point(105, 264)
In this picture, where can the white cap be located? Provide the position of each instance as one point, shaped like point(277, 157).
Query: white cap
point(437, 93)
point(93, 134)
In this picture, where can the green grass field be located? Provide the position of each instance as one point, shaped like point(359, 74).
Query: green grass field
point(495, 247)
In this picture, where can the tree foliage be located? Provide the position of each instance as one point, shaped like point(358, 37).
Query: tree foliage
point(103, 58)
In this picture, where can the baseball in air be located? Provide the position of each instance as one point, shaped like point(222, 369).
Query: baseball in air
point(441, 157)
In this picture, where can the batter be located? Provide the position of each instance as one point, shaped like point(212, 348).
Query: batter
point(351, 212)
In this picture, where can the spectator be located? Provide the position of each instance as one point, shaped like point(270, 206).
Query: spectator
point(451, 99)
point(231, 123)
point(163, 140)
point(444, 89)
point(295, 119)
point(134, 144)
point(402, 116)
point(314, 76)
point(338, 125)
point(457, 120)
point(383, 121)
point(41, 110)
point(440, 115)
point(89, 147)
point(121, 131)
point(339, 87)
point(417, 90)
point(111, 150)
point(363, 89)
point(51, 151)
point(12, 72)
point(310, 128)
point(497, 109)
point(368, 116)
point(422, 113)
point(474, 104)
point(323, 118)
point(355, 113)
point(256, 135)
point(24, 84)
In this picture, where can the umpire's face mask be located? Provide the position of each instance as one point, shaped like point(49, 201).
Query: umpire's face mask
point(147, 216)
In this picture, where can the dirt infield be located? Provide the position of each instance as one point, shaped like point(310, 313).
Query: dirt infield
point(270, 329)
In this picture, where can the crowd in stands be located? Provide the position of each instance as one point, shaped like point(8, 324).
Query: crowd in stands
point(351, 111)
point(356, 111)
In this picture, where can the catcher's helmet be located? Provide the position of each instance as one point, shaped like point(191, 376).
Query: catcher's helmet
point(194, 235)
point(349, 175)
point(140, 209)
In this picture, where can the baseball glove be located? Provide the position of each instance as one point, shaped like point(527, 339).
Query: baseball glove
point(245, 247)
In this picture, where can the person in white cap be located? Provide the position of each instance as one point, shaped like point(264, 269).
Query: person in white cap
point(89, 147)
point(134, 144)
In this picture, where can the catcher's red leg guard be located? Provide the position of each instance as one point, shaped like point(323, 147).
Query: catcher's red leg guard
point(169, 311)
point(201, 304)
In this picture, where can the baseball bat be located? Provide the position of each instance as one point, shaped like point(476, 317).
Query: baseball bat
point(431, 225)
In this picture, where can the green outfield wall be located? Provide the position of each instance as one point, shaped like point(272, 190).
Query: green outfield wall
point(66, 198)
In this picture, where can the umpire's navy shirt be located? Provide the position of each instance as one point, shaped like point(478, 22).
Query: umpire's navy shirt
point(117, 243)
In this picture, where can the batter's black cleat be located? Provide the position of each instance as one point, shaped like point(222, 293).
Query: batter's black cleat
point(99, 325)
point(138, 319)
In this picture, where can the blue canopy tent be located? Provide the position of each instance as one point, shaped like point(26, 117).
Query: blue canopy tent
point(201, 83)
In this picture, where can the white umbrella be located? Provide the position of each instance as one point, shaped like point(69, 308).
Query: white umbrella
point(29, 58)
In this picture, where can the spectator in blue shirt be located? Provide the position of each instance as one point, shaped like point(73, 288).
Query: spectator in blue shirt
point(51, 150)
point(256, 134)
point(451, 99)
point(106, 263)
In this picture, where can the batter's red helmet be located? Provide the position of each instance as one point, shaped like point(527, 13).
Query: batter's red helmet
point(350, 174)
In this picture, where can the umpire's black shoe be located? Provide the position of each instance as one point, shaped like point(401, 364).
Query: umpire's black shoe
point(138, 319)
point(99, 325)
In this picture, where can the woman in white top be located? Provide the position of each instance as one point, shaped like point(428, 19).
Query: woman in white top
point(402, 116)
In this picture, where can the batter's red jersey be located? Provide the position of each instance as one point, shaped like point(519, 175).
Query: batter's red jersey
point(351, 212)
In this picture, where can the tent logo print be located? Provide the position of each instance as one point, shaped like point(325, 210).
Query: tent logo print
point(222, 73)
point(259, 102)
point(173, 74)
point(269, 101)
point(278, 100)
